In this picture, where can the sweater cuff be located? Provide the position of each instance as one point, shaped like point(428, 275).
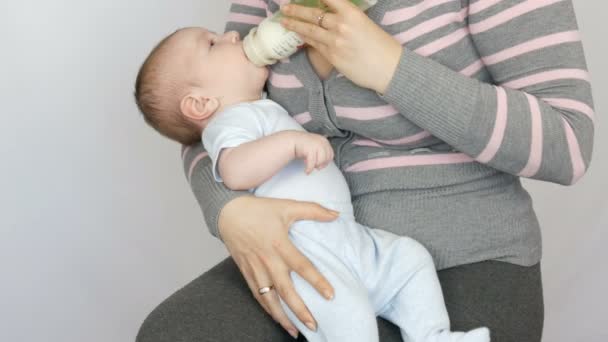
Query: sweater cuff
point(211, 195)
point(432, 96)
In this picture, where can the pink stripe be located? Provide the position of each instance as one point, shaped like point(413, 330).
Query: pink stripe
point(510, 14)
point(251, 3)
point(533, 45)
point(547, 76)
point(401, 141)
point(414, 160)
point(473, 68)
point(366, 113)
point(571, 104)
point(284, 81)
point(194, 162)
point(268, 13)
point(244, 18)
point(403, 14)
point(366, 142)
point(431, 25)
point(406, 140)
point(578, 165)
point(482, 5)
point(185, 150)
point(442, 43)
point(500, 125)
point(536, 144)
point(302, 118)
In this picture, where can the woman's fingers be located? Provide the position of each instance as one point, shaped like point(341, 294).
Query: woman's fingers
point(302, 210)
point(276, 311)
point(309, 14)
point(313, 31)
point(284, 288)
point(252, 276)
point(269, 300)
point(340, 6)
point(302, 266)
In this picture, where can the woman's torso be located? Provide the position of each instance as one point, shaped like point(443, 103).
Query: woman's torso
point(402, 178)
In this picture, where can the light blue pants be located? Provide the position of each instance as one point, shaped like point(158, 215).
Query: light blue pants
point(373, 273)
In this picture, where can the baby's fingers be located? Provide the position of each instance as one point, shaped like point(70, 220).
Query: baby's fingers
point(328, 157)
point(321, 158)
point(311, 161)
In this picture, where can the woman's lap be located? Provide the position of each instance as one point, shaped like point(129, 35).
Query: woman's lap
point(218, 306)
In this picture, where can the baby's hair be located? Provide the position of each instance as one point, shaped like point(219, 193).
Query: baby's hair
point(158, 95)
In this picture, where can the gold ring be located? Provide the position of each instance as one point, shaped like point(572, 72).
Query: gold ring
point(320, 19)
point(265, 289)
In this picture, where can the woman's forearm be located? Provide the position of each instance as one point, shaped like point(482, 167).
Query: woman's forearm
point(535, 120)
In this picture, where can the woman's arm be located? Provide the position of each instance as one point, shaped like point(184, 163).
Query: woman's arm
point(211, 195)
point(537, 120)
point(534, 120)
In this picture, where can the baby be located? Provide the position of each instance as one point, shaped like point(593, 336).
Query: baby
point(197, 83)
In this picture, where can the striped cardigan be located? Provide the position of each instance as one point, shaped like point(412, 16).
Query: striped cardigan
point(485, 92)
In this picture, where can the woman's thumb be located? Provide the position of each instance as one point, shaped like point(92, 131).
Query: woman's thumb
point(313, 211)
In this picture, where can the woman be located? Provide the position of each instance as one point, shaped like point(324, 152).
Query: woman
point(435, 109)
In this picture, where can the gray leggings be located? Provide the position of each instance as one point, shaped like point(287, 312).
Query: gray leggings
point(218, 306)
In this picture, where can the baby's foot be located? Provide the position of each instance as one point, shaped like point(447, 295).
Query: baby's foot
point(477, 335)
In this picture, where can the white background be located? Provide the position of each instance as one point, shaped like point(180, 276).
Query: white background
point(97, 222)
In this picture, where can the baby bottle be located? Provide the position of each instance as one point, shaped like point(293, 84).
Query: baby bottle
point(270, 41)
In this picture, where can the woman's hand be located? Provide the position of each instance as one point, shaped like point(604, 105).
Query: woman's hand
point(357, 47)
point(255, 232)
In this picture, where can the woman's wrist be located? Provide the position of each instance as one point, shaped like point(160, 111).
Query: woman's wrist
point(227, 208)
point(389, 67)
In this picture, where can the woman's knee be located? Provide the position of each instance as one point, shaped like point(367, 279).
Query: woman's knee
point(415, 253)
point(506, 298)
point(217, 306)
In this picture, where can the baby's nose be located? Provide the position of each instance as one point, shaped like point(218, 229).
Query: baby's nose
point(233, 36)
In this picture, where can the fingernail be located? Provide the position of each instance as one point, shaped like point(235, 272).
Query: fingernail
point(293, 333)
point(335, 212)
point(328, 294)
point(311, 326)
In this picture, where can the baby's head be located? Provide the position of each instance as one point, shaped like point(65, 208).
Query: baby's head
point(189, 76)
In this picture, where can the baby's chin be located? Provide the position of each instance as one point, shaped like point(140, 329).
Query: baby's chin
point(263, 73)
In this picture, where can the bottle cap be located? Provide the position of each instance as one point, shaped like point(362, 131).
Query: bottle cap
point(253, 50)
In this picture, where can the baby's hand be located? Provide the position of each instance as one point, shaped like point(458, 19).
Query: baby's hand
point(314, 148)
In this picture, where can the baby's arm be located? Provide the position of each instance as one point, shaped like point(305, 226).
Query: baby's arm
point(250, 164)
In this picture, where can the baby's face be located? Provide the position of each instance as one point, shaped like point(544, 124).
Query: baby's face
point(218, 62)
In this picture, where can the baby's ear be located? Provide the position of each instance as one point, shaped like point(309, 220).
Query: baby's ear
point(198, 107)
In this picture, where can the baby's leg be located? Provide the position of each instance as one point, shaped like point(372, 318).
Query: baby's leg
point(401, 277)
point(349, 316)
